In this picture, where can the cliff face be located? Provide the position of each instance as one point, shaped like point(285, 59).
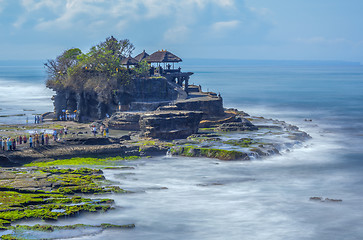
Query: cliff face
point(89, 107)
point(157, 124)
point(170, 124)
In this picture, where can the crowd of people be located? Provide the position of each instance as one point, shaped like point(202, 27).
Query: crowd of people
point(11, 143)
point(38, 119)
point(40, 139)
point(103, 130)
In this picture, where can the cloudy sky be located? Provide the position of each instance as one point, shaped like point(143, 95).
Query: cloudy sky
point(227, 29)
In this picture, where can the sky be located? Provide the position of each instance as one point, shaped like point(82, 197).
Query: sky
point(220, 29)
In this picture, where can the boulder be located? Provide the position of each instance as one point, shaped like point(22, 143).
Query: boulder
point(241, 124)
point(124, 121)
point(170, 124)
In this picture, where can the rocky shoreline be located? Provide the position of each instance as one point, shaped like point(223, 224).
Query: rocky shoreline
point(48, 181)
point(232, 137)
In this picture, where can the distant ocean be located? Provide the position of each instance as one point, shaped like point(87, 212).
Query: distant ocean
point(261, 199)
point(22, 91)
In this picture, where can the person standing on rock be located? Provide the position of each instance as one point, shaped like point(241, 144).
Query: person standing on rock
point(14, 144)
point(30, 141)
point(9, 144)
point(20, 140)
point(106, 130)
point(54, 135)
point(46, 139)
point(42, 138)
point(24, 139)
point(94, 130)
point(65, 131)
point(36, 140)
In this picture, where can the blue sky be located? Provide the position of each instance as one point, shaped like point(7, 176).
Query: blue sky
point(229, 29)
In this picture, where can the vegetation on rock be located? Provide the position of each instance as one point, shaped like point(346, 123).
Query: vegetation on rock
point(99, 71)
point(18, 203)
point(81, 161)
point(193, 151)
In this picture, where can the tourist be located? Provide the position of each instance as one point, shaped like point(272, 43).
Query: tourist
point(101, 129)
point(9, 144)
point(24, 139)
point(20, 140)
point(54, 135)
point(30, 141)
point(35, 119)
point(14, 144)
point(94, 130)
point(1, 143)
point(36, 140)
point(42, 138)
point(106, 132)
point(46, 139)
point(60, 135)
point(65, 131)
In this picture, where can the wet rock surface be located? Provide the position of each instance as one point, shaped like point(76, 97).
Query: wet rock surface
point(240, 124)
point(170, 124)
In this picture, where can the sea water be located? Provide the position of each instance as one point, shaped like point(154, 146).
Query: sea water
point(200, 198)
point(23, 93)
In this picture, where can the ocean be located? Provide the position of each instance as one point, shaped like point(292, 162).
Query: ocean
point(267, 198)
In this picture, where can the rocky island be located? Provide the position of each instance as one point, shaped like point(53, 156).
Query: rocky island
point(114, 108)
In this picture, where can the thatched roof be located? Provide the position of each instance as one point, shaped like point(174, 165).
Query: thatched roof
point(163, 56)
point(129, 61)
point(141, 56)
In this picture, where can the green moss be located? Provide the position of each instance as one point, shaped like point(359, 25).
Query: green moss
point(148, 143)
point(52, 211)
point(17, 204)
point(51, 228)
point(81, 161)
point(211, 129)
point(192, 151)
point(243, 142)
point(11, 237)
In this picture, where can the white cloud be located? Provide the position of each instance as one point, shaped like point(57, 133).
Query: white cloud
point(222, 26)
point(32, 5)
point(66, 11)
point(162, 22)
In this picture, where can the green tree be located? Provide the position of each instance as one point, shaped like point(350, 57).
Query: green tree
point(142, 69)
point(57, 69)
point(98, 71)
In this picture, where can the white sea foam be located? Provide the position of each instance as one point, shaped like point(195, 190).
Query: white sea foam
point(15, 96)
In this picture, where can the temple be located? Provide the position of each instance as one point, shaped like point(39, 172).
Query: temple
point(163, 86)
point(162, 63)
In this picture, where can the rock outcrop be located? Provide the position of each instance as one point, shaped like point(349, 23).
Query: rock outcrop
point(124, 121)
point(170, 124)
point(240, 124)
point(89, 106)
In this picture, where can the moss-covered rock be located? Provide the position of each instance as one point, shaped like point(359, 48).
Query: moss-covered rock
point(193, 151)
